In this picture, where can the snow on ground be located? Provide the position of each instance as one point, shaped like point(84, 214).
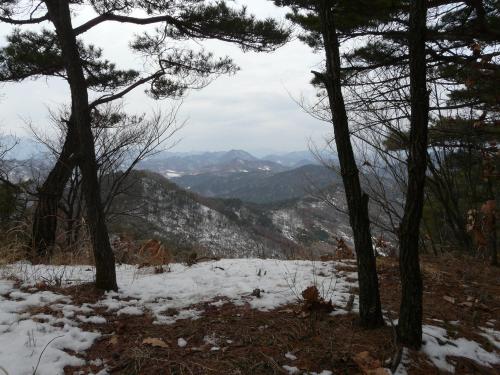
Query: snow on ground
point(280, 282)
point(25, 334)
point(28, 336)
point(291, 369)
point(492, 335)
point(36, 341)
point(437, 345)
point(181, 342)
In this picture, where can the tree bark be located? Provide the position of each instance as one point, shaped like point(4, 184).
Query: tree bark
point(492, 243)
point(44, 228)
point(60, 16)
point(357, 201)
point(410, 316)
point(491, 225)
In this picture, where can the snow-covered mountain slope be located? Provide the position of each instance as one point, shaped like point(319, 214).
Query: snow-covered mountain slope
point(157, 208)
point(184, 220)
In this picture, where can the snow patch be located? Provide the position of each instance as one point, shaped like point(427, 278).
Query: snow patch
point(291, 369)
point(492, 336)
point(130, 310)
point(437, 345)
point(26, 340)
point(181, 342)
point(290, 356)
point(92, 319)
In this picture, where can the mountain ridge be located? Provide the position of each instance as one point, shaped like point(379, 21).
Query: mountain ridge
point(222, 227)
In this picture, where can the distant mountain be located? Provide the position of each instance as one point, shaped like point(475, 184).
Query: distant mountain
point(23, 170)
point(238, 174)
point(299, 158)
point(233, 161)
point(261, 186)
point(242, 166)
point(292, 159)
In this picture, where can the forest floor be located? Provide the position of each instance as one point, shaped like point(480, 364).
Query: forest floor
point(243, 317)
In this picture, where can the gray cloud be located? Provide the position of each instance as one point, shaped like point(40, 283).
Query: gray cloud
point(251, 110)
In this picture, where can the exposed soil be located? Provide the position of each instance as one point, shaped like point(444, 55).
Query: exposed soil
point(230, 339)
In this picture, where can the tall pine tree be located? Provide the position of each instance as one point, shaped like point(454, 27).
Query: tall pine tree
point(387, 73)
point(60, 51)
point(325, 23)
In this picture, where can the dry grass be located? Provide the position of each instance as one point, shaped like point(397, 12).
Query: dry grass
point(13, 243)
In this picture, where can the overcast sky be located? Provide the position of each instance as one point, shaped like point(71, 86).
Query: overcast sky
point(252, 110)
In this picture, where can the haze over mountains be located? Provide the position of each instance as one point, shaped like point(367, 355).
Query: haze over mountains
point(234, 174)
point(226, 203)
point(235, 204)
point(226, 161)
point(240, 175)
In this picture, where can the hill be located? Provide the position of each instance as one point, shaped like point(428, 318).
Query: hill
point(261, 186)
point(154, 207)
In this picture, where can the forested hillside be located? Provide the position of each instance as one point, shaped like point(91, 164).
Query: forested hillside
point(158, 208)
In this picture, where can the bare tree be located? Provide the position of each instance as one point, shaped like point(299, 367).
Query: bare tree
point(122, 141)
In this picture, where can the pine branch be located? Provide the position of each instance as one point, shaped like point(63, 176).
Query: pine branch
point(29, 21)
point(119, 95)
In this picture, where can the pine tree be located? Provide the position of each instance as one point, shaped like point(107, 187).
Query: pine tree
point(61, 52)
point(461, 59)
point(325, 23)
point(411, 310)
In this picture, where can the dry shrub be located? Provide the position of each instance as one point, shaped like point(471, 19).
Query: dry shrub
point(314, 302)
point(343, 251)
point(14, 243)
point(298, 252)
point(15, 246)
point(154, 253)
point(198, 253)
point(74, 255)
point(126, 249)
point(384, 247)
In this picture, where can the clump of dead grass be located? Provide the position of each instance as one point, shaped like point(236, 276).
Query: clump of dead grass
point(13, 244)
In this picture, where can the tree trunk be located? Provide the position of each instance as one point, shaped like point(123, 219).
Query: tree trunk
point(410, 316)
point(44, 228)
point(492, 243)
point(491, 225)
point(357, 201)
point(60, 16)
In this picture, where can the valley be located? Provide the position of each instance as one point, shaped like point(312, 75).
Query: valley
point(268, 211)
